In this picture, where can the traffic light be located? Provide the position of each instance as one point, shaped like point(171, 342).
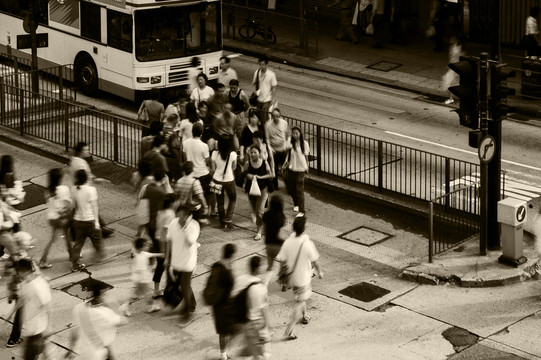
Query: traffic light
point(499, 91)
point(467, 91)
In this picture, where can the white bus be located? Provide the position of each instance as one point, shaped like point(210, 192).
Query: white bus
point(124, 47)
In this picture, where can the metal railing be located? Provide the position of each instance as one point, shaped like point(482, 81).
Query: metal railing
point(56, 81)
point(454, 218)
point(289, 31)
point(527, 82)
point(64, 122)
point(387, 166)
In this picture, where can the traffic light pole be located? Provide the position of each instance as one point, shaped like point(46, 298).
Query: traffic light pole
point(483, 116)
point(495, 130)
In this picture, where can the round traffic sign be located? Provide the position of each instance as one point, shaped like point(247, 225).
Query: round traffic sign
point(521, 213)
point(487, 149)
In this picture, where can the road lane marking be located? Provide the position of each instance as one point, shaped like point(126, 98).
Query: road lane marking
point(457, 149)
point(342, 98)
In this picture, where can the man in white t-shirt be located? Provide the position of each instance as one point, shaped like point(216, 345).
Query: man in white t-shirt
point(277, 132)
point(181, 257)
point(299, 254)
point(265, 79)
point(95, 327)
point(35, 301)
point(196, 151)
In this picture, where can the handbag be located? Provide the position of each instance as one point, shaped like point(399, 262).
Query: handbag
point(285, 166)
point(254, 96)
point(369, 29)
point(254, 188)
point(238, 173)
point(171, 294)
point(216, 187)
point(143, 114)
point(142, 208)
point(284, 275)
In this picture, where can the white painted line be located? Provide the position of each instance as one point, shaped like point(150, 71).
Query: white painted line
point(330, 95)
point(456, 149)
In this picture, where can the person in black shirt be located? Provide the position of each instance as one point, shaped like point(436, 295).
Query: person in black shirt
point(273, 221)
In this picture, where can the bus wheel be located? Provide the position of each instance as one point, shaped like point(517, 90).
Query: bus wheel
point(86, 75)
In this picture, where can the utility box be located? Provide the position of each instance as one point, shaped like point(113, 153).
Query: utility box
point(511, 215)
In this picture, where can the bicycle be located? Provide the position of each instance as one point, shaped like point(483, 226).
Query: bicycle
point(253, 27)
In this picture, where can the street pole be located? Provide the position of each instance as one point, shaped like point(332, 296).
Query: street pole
point(34, 20)
point(495, 130)
point(483, 116)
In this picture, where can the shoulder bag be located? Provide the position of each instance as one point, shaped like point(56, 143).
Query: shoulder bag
point(284, 274)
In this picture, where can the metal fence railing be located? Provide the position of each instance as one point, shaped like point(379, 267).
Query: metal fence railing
point(382, 164)
point(269, 27)
point(389, 167)
point(56, 81)
point(454, 218)
point(527, 82)
point(64, 122)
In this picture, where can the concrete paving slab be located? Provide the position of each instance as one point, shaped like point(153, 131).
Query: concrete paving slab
point(483, 312)
point(519, 335)
point(492, 344)
point(431, 345)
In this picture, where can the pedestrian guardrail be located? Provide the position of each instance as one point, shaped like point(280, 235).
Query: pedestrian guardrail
point(381, 164)
point(66, 123)
point(454, 218)
point(57, 81)
point(269, 27)
point(527, 82)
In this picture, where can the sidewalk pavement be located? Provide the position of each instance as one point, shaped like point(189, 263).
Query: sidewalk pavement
point(411, 65)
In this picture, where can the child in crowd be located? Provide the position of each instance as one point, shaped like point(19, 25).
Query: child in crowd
point(141, 276)
point(163, 219)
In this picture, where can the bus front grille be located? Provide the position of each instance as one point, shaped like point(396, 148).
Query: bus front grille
point(178, 76)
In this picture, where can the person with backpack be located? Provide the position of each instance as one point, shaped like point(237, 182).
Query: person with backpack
point(298, 255)
point(216, 294)
point(251, 309)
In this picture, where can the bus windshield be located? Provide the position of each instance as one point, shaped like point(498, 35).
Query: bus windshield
point(172, 32)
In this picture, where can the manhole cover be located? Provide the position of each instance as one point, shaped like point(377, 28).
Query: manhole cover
point(364, 292)
point(83, 289)
point(34, 197)
point(384, 66)
point(365, 236)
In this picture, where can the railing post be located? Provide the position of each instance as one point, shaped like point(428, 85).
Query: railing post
point(60, 83)
point(2, 101)
point(66, 127)
point(447, 181)
point(380, 165)
point(265, 27)
point(16, 68)
point(318, 153)
point(21, 111)
point(431, 236)
point(115, 138)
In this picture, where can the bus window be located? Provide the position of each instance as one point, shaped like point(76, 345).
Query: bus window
point(90, 21)
point(172, 32)
point(119, 30)
point(19, 8)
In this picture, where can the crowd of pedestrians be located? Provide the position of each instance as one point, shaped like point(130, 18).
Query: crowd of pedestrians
point(196, 153)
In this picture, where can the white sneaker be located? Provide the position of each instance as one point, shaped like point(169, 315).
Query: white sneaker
point(124, 310)
point(295, 208)
point(257, 236)
point(449, 101)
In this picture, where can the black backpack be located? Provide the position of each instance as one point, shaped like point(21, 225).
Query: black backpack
point(239, 305)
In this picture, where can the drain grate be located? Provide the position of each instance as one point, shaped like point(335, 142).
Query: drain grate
point(384, 66)
point(34, 197)
point(365, 236)
point(83, 289)
point(364, 292)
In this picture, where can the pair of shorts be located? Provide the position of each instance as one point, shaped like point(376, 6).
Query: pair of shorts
point(302, 293)
point(205, 183)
